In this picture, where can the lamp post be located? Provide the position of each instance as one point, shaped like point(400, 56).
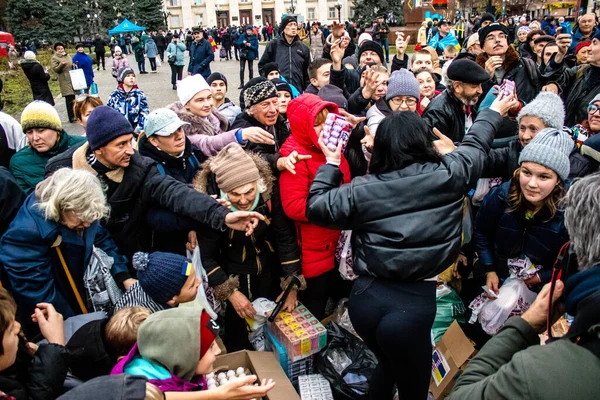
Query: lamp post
point(292, 8)
point(338, 5)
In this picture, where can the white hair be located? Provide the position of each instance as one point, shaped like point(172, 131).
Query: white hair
point(261, 185)
point(72, 190)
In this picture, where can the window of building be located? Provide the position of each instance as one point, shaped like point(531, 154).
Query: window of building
point(332, 14)
point(352, 11)
point(175, 21)
point(311, 13)
point(173, 3)
point(198, 2)
point(198, 19)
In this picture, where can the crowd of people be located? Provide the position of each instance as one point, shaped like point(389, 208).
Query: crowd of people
point(471, 164)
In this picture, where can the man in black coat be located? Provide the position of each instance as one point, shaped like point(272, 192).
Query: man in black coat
point(453, 112)
point(161, 44)
point(134, 184)
point(100, 49)
point(291, 55)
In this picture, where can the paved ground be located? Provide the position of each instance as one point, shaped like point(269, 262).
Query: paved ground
point(157, 87)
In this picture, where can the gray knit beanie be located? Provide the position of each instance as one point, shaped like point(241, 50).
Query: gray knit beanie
point(403, 83)
point(595, 99)
point(547, 106)
point(550, 148)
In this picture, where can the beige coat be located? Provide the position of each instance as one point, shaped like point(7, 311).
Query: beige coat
point(64, 78)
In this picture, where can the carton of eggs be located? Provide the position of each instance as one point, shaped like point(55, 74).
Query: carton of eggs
point(213, 380)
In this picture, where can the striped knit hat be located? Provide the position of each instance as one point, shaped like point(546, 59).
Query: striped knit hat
point(257, 90)
point(162, 275)
point(39, 114)
point(233, 168)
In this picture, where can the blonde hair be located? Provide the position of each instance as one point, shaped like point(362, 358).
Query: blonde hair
point(321, 117)
point(73, 190)
point(122, 328)
point(153, 393)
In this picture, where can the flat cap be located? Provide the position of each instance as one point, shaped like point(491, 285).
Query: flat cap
point(465, 70)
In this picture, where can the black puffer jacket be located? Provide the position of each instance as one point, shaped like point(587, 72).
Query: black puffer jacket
point(272, 246)
point(40, 377)
point(414, 237)
point(445, 112)
point(143, 186)
point(292, 59)
point(38, 79)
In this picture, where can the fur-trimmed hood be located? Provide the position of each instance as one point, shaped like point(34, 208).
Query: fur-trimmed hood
point(199, 125)
point(205, 181)
point(510, 59)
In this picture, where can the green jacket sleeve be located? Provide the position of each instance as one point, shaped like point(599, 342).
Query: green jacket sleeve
point(498, 372)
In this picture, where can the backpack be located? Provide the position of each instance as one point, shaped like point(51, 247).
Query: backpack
point(194, 163)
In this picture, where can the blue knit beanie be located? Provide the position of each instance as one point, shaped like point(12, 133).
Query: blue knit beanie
point(104, 125)
point(161, 275)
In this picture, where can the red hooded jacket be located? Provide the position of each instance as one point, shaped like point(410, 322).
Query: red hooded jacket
point(318, 244)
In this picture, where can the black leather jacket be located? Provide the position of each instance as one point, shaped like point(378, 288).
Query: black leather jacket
point(445, 112)
point(406, 223)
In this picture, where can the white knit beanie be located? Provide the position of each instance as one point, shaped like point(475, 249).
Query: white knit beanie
point(29, 55)
point(363, 37)
point(190, 86)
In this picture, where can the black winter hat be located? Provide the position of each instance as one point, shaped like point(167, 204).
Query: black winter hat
point(282, 85)
point(217, 76)
point(467, 71)
point(372, 46)
point(104, 125)
point(270, 67)
point(257, 90)
point(496, 26)
point(487, 17)
point(333, 94)
point(286, 20)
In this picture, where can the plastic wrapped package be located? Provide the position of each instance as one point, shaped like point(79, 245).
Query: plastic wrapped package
point(450, 307)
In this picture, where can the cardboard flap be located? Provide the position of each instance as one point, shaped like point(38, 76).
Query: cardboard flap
point(457, 344)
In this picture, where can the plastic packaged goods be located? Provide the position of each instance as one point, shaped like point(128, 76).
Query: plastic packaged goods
point(336, 130)
point(314, 387)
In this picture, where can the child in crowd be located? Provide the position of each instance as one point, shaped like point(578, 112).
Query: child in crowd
point(318, 72)
point(129, 100)
point(271, 71)
point(101, 343)
point(175, 349)
point(449, 54)
point(26, 369)
point(165, 280)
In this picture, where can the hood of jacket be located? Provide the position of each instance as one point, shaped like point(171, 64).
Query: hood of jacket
point(203, 180)
point(199, 125)
point(121, 93)
point(171, 338)
point(302, 113)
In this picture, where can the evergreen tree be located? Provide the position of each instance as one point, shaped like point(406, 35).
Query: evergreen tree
point(44, 20)
point(367, 11)
point(149, 13)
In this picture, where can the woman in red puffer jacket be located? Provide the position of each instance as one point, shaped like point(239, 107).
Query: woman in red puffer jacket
point(306, 115)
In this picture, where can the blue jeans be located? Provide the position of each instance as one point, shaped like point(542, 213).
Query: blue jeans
point(142, 66)
point(386, 46)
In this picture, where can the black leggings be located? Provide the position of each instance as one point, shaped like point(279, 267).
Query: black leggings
point(243, 69)
point(69, 104)
point(152, 63)
point(176, 73)
point(394, 319)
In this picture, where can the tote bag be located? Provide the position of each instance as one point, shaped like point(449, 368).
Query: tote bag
point(78, 79)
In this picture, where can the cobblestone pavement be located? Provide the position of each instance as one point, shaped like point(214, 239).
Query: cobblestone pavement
point(157, 86)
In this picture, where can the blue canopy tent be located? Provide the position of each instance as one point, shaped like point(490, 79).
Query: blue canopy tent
point(125, 27)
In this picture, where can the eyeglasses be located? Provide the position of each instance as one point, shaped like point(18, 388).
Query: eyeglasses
point(410, 101)
point(593, 109)
point(491, 39)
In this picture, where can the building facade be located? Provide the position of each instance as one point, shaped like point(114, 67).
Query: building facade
point(183, 14)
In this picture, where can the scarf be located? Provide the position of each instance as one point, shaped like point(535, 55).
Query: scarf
point(580, 286)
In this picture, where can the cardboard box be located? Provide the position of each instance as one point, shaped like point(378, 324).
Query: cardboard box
point(265, 366)
point(449, 356)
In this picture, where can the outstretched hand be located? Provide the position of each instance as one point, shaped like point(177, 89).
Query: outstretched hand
point(289, 163)
point(244, 221)
point(369, 140)
point(353, 119)
point(443, 145)
point(503, 103)
point(333, 157)
point(242, 389)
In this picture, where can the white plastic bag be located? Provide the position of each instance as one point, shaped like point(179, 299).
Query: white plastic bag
point(264, 307)
point(206, 294)
point(343, 254)
point(78, 79)
point(514, 298)
point(158, 63)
